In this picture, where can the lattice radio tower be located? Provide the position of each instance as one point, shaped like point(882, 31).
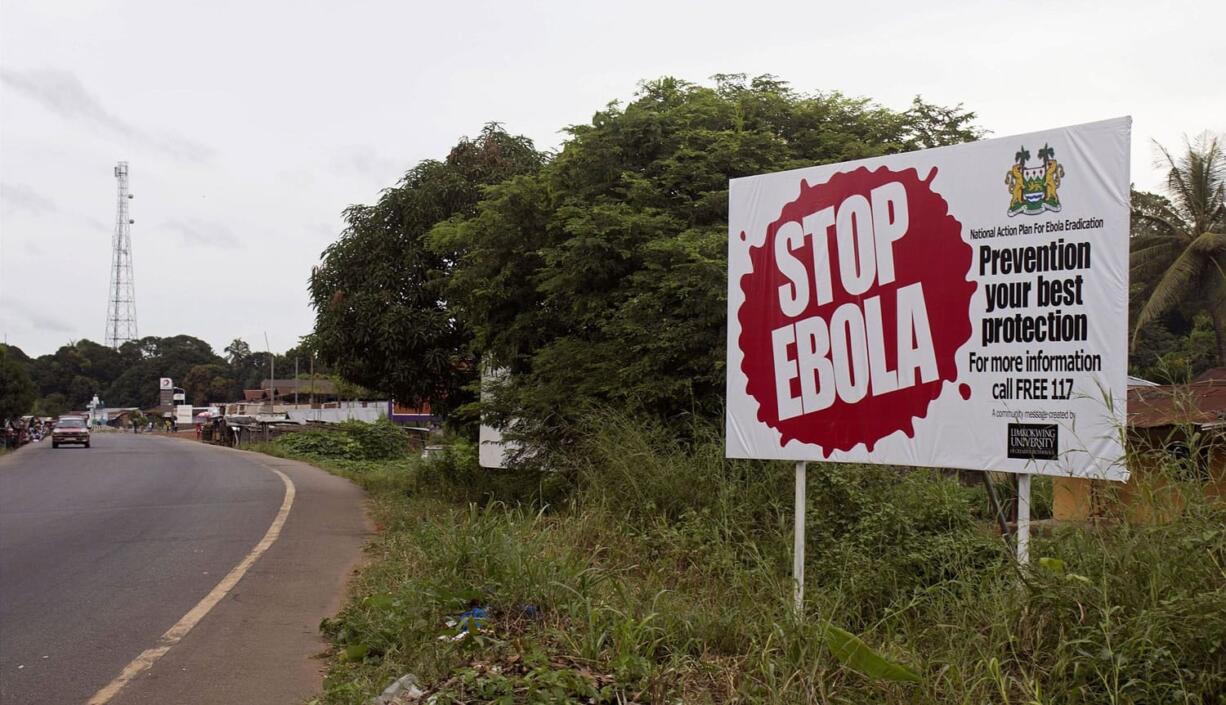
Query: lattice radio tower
point(121, 306)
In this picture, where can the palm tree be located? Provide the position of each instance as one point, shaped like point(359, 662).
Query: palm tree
point(1046, 153)
point(1186, 236)
point(1022, 156)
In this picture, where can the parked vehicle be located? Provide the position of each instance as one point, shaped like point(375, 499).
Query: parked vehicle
point(70, 429)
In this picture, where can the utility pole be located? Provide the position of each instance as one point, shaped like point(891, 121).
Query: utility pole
point(272, 374)
point(313, 384)
point(121, 303)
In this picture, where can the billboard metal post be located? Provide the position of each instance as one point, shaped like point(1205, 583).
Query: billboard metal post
point(798, 545)
point(1023, 519)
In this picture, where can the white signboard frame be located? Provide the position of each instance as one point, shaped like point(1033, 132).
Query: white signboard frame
point(1031, 386)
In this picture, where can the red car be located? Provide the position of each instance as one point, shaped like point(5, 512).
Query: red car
point(70, 429)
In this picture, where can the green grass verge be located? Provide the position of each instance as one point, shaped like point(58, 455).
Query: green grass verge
point(651, 571)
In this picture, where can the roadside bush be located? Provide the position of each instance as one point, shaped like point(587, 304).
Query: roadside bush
point(350, 440)
point(456, 475)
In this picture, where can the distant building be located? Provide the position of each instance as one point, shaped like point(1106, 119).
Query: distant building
point(415, 416)
point(285, 389)
point(1187, 422)
point(319, 400)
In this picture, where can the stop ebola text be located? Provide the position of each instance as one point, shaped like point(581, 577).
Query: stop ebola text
point(843, 356)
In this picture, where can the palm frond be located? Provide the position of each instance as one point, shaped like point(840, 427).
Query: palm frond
point(1158, 251)
point(1209, 244)
point(1138, 242)
point(1173, 288)
point(1196, 181)
point(1172, 227)
point(1176, 179)
point(1148, 272)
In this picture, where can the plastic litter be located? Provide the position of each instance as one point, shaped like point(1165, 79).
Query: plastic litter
point(474, 618)
point(403, 690)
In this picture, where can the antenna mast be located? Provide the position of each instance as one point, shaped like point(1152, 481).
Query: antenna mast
point(121, 306)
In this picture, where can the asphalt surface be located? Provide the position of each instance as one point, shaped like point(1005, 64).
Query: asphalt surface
point(104, 549)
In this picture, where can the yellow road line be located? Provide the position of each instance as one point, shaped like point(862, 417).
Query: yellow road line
point(176, 633)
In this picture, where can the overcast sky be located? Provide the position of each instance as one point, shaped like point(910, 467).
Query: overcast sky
point(250, 125)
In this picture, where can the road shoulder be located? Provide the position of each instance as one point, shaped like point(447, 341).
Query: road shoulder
point(261, 643)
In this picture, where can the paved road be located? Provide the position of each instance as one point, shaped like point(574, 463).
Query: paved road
point(104, 549)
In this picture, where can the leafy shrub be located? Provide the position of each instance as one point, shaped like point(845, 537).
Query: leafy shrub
point(350, 440)
point(457, 475)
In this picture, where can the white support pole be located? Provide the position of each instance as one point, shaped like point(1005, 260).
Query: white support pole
point(1023, 519)
point(798, 545)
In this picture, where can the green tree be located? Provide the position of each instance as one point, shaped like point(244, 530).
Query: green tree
point(1186, 238)
point(237, 351)
point(382, 319)
point(153, 358)
point(602, 277)
point(209, 383)
point(16, 390)
point(54, 404)
point(129, 376)
point(78, 370)
point(1170, 351)
point(247, 368)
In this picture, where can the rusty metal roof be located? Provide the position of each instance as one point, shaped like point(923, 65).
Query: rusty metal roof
point(1213, 374)
point(1200, 403)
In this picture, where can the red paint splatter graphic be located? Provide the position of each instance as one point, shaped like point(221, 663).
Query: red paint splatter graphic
point(855, 307)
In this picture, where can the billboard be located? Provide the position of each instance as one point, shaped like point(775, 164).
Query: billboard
point(494, 450)
point(961, 307)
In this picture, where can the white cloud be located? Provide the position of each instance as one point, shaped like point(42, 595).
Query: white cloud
point(201, 233)
point(63, 93)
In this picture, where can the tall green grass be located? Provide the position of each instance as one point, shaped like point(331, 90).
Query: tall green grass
point(644, 569)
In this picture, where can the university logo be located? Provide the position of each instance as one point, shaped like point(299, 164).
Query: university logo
point(1032, 189)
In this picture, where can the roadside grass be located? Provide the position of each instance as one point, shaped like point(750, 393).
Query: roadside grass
point(651, 570)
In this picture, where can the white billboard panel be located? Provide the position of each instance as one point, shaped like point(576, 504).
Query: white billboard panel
point(493, 450)
point(959, 307)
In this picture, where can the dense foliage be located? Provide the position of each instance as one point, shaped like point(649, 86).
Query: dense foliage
point(128, 377)
point(16, 390)
point(382, 315)
point(351, 440)
point(1179, 263)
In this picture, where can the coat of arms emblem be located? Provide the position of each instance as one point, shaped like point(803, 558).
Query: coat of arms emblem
point(1033, 189)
